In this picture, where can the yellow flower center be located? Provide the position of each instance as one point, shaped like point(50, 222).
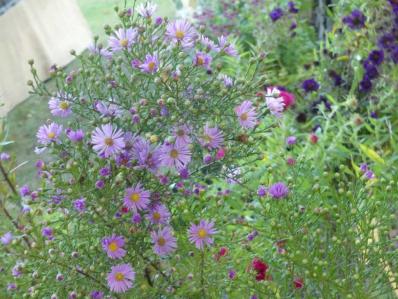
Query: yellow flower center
point(51, 135)
point(161, 241)
point(119, 276)
point(174, 153)
point(208, 138)
point(64, 105)
point(113, 246)
point(124, 42)
point(202, 233)
point(180, 34)
point(156, 216)
point(151, 65)
point(200, 60)
point(108, 141)
point(135, 197)
point(244, 116)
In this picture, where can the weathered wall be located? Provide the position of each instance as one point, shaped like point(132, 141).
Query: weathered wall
point(44, 30)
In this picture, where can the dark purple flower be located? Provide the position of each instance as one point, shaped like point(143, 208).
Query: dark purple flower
point(292, 7)
point(231, 274)
point(336, 78)
point(370, 70)
point(386, 41)
point(80, 205)
point(365, 85)
point(276, 14)
point(99, 184)
point(376, 57)
point(47, 232)
point(105, 171)
point(310, 85)
point(373, 114)
point(394, 55)
point(356, 20)
point(96, 295)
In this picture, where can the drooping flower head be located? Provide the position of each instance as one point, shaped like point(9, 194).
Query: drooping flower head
point(201, 234)
point(181, 32)
point(113, 246)
point(151, 64)
point(147, 10)
point(159, 214)
point(99, 50)
point(49, 133)
point(108, 109)
point(226, 47)
point(60, 105)
point(147, 156)
point(203, 60)
point(121, 278)
point(247, 115)
point(137, 198)
point(123, 39)
point(163, 241)
point(107, 141)
point(75, 136)
point(278, 190)
point(6, 238)
point(211, 138)
point(175, 156)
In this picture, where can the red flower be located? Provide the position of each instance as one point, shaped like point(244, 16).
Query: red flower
point(125, 209)
point(313, 139)
point(223, 251)
point(288, 98)
point(260, 276)
point(298, 283)
point(259, 265)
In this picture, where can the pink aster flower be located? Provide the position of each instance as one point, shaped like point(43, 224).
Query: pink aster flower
point(175, 156)
point(48, 134)
point(211, 138)
point(164, 242)
point(181, 134)
point(226, 47)
point(123, 39)
point(121, 278)
point(113, 246)
point(151, 64)
point(107, 141)
point(202, 59)
point(136, 198)
point(246, 114)
point(75, 136)
point(181, 32)
point(159, 215)
point(146, 10)
point(275, 102)
point(60, 105)
point(201, 234)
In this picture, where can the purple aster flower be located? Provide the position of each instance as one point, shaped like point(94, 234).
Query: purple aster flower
point(60, 105)
point(99, 50)
point(108, 109)
point(123, 39)
point(227, 47)
point(80, 205)
point(24, 191)
point(181, 135)
point(376, 57)
point(310, 85)
point(201, 234)
point(291, 140)
point(163, 241)
point(47, 232)
point(356, 20)
point(75, 136)
point(175, 156)
point(336, 78)
point(107, 141)
point(386, 41)
point(276, 14)
point(6, 238)
point(5, 156)
point(100, 184)
point(394, 54)
point(11, 286)
point(278, 190)
point(159, 215)
point(252, 235)
point(292, 7)
point(181, 32)
point(369, 175)
point(151, 64)
point(208, 44)
point(49, 133)
point(207, 159)
point(136, 198)
point(211, 138)
point(105, 171)
point(365, 85)
point(203, 60)
point(96, 295)
point(261, 191)
point(113, 246)
point(146, 10)
point(228, 82)
point(246, 114)
point(121, 278)
point(370, 70)
point(147, 156)
point(158, 21)
point(135, 63)
point(136, 218)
